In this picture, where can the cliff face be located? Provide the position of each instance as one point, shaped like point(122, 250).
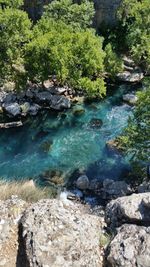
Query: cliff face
point(105, 10)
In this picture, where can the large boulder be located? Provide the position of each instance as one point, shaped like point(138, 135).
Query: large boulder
point(10, 212)
point(13, 109)
point(59, 233)
point(60, 102)
point(43, 97)
point(130, 247)
point(114, 189)
point(129, 209)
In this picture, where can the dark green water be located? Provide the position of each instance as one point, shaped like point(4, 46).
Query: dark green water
point(67, 142)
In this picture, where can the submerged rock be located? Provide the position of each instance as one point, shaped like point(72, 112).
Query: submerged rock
point(60, 233)
point(144, 187)
point(46, 146)
point(130, 247)
point(129, 209)
point(78, 111)
point(96, 123)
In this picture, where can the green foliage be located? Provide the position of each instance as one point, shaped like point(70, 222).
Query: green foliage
point(113, 63)
point(75, 58)
point(11, 3)
point(136, 137)
point(14, 33)
point(135, 18)
point(77, 15)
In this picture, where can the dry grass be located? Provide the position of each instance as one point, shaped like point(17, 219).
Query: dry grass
point(25, 190)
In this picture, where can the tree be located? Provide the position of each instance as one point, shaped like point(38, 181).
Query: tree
point(136, 137)
point(113, 63)
point(11, 3)
point(134, 16)
point(14, 33)
point(77, 15)
point(74, 57)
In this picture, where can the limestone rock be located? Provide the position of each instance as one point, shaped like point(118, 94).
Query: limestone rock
point(60, 234)
point(130, 247)
point(82, 182)
point(129, 209)
point(10, 212)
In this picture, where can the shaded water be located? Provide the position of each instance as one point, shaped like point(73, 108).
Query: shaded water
point(63, 141)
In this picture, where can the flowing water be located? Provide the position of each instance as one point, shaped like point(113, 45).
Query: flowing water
point(67, 142)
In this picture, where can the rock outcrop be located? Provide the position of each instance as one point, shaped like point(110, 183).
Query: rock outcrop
point(130, 247)
point(59, 233)
point(133, 209)
point(10, 213)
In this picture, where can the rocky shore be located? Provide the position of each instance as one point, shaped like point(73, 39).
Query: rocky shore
point(64, 232)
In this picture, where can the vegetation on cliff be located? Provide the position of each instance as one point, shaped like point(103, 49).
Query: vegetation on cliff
point(136, 137)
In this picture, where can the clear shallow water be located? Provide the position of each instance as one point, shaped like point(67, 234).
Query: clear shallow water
point(72, 143)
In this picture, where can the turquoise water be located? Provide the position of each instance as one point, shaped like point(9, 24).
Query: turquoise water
point(65, 142)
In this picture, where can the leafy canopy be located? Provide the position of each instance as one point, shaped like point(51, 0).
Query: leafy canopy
point(11, 3)
point(14, 33)
point(77, 15)
point(74, 57)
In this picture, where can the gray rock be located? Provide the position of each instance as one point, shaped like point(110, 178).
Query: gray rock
point(132, 77)
point(34, 109)
point(43, 97)
point(130, 247)
point(144, 187)
point(9, 98)
point(113, 189)
point(82, 182)
point(60, 102)
point(129, 209)
point(60, 234)
point(13, 109)
point(130, 99)
point(10, 213)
